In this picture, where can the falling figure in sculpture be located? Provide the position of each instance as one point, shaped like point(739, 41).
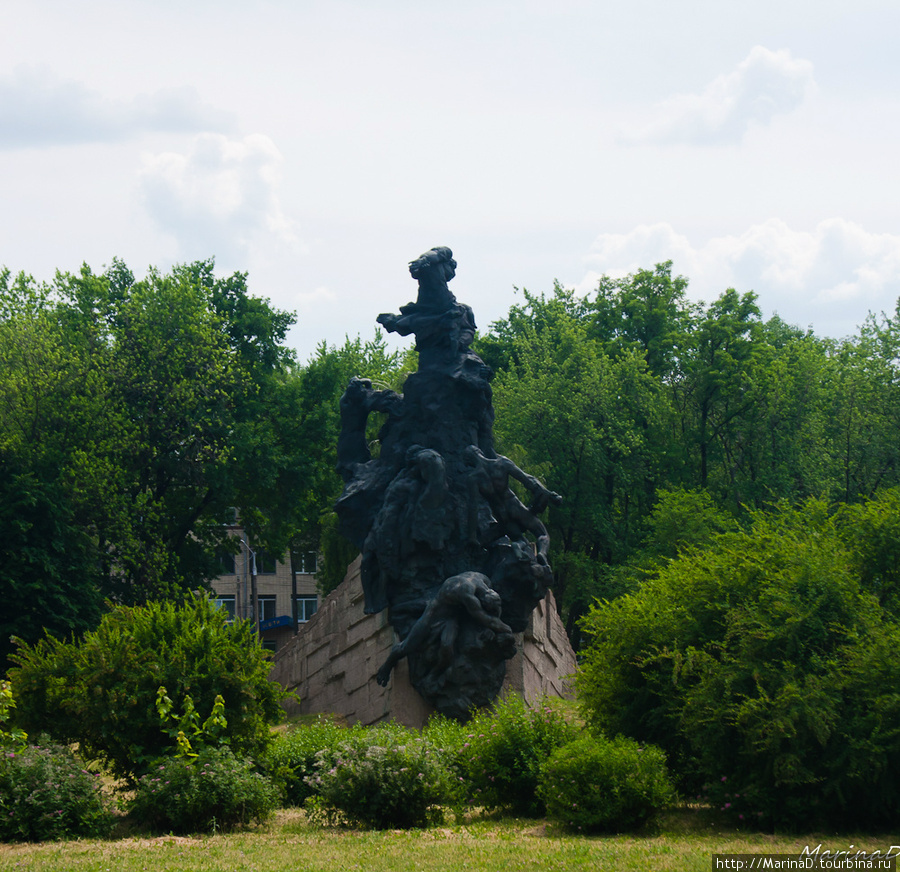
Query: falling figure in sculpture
point(467, 594)
point(490, 478)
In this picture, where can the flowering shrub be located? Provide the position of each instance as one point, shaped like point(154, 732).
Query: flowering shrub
point(46, 794)
point(595, 783)
point(293, 755)
point(213, 791)
point(394, 779)
point(446, 734)
point(739, 805)
point(501, 756)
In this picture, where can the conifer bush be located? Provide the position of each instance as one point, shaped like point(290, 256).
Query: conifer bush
point(766, 668)
point(101, 691)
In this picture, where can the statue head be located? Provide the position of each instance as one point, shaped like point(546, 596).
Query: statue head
point(432, 271)
point(428, 463)
point(473, 455)
point(437, 261)
point(490, 599)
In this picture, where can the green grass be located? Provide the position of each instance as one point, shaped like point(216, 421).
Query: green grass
point(684, 842)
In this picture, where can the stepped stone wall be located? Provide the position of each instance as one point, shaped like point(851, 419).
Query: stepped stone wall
point(331, 663)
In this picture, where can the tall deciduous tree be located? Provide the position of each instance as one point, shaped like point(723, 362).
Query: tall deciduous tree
point(589, 424)
point(144, 410)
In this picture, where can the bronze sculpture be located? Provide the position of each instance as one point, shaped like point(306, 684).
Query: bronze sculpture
point(444, 540)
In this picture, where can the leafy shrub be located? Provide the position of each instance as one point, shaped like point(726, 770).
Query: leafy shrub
point(293, 756)
point(503, 751)
point(447, 735)
point(761, 663)
point(213, 791)
point(392, 778)
point(871, 531)
point(595, 783)
point(101, 691)
point(11, 737)
point(186, 730)
point(45, 794)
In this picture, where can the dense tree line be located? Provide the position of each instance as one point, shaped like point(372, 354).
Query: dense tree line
point(136, 414)
point(634, 391)
point(134, 417)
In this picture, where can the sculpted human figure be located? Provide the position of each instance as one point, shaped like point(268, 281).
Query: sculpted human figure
point(467, 594)
point(490, 478)
point(444, 328)
point(359, 400)
point(413, 510)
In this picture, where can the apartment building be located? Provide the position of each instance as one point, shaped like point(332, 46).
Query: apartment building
point(279, 589)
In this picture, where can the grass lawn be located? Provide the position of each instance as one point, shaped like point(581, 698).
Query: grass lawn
point(684, 841)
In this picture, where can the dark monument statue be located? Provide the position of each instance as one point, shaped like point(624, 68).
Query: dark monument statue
point(447, 547)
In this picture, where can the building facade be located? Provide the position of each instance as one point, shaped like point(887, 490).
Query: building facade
point(286, 595)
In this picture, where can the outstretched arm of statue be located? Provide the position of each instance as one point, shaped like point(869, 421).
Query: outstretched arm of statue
point(417, 635)
point(401, 324)
point(541, 496)
point(383, 676)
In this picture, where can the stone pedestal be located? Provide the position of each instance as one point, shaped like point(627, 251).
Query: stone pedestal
point(331, 663)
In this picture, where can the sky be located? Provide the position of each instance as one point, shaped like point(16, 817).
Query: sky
point(321, 146)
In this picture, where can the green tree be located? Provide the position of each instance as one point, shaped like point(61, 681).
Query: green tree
point(144, 411)
point(588, 424)
point(322, 382)
point(646, 311)
point(865, 411)
point(52, 420)
point(715, 388)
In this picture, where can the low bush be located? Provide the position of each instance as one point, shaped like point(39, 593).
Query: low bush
point(213, 791)
point(504, 749)
point(608, 785)
point(391, 779)
point(294, 755)
point(46, 794)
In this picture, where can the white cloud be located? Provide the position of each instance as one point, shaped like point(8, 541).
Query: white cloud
point(220, 198)
point(766, 83)
point(830, 277)
point(39, 109)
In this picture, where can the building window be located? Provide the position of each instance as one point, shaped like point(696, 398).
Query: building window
point(307, 606)
point(265, 562)
point(226, 602)
point(306, 562)
point(270, 645)
point(226, 562)
point(267, 608)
